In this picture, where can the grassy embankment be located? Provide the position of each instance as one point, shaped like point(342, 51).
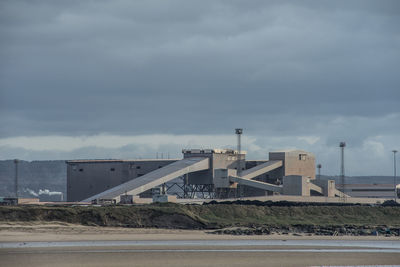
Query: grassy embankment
point(206, 216)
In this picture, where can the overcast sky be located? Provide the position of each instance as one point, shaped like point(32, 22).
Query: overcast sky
point(128, 79)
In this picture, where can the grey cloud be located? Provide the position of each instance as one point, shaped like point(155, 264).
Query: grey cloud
point(371, 157)
point(178, 67)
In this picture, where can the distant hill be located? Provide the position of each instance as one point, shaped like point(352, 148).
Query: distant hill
point(44, 179)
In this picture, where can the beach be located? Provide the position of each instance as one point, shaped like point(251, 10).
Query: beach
point(61, 244)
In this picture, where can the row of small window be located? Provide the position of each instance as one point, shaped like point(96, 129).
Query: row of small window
point(373, 190)
point(113, 169)
point(81, 170)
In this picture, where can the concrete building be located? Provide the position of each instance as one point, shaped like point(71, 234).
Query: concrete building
point(295, 162)
point(286, 172)
point(86, 178)
point(370, 190)
point(218, 159)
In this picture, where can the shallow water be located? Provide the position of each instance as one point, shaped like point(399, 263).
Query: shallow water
point(379, 246)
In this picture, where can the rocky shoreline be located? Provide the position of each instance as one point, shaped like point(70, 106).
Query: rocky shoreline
point(310, 230)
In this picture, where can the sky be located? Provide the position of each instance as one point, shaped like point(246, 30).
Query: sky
point(137, 79)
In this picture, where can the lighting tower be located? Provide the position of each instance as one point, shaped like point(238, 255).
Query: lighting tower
point(394, 174)
point(319, 166)
point(16, 177)
point(342, 145)
point(239, 132)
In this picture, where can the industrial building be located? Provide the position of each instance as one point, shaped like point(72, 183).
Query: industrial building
point(362, 190)
point(217, 173)
point(86, 178)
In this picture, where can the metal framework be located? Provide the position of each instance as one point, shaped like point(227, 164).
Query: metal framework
point(205, 191)
point(221, 193)
point(182, 189)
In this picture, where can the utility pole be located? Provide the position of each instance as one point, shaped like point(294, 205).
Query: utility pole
point(394, 174)
point(16, 177)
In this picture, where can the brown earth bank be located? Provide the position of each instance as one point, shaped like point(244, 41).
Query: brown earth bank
point(240, 219)
point(59, 231)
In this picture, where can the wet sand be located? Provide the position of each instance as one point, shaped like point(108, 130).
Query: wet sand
point(173, 254)
point(108, 257)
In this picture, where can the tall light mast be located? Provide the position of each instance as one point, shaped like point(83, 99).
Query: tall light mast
point(342, 145)
point(16, 161)
point(319, 166)
point(394, 174)
point(239, 132)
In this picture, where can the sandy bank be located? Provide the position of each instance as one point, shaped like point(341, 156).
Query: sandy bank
point(25, 232)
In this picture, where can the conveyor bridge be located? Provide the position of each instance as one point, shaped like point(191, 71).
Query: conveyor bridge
point(154, 178)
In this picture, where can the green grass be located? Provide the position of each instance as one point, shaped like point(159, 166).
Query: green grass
point(208, 216)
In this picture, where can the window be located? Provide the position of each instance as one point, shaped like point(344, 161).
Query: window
point(302, 156)
point(112, 169)
point(137, 167)
point(81, 170)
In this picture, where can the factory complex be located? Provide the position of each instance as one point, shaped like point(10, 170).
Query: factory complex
point(201, 173)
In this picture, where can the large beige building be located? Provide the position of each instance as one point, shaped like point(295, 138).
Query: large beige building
point(212, 171)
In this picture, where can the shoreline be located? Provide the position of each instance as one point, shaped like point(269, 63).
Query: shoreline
point(67, 245)
point(59, 231)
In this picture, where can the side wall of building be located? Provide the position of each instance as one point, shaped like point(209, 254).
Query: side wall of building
point(88, 178)
point(217, 161)
point(296, 162)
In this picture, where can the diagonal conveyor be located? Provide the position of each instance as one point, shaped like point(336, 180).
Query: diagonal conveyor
point(340, 193)
point(315, 188)
point(256, 184)
point(260, 169)
point(154, 178)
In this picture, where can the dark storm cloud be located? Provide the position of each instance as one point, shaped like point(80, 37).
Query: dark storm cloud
point(134, 67)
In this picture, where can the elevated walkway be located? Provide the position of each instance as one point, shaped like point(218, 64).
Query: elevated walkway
point(256, 184)
point(154, 178)
point(247, 176)
point(261, 169)
point(316, 188)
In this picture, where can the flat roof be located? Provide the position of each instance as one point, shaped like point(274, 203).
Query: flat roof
point(212, 151)
point(290, 150)
point(116, 160)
